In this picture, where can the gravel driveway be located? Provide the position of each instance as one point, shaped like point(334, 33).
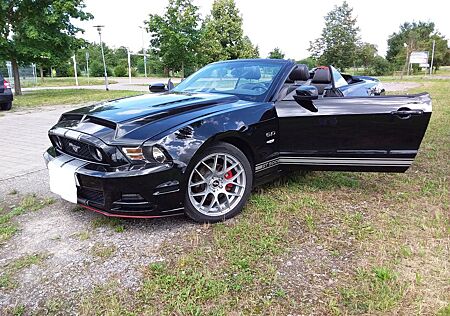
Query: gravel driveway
point(79, 249)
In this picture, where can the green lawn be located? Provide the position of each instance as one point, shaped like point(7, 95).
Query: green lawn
point(66, 96)
point(315, 243)
point(64, 81)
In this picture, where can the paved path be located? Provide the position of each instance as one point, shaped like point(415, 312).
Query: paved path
point(24, 139)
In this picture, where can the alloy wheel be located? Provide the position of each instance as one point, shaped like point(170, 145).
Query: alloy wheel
point(217, 184)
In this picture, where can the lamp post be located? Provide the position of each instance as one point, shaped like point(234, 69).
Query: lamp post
point(144, 51)
point(99, 30)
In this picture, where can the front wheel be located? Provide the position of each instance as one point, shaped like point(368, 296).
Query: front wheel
point(219, 184)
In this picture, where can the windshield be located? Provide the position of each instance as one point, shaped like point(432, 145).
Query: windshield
point(249, 80)
point(339, 81)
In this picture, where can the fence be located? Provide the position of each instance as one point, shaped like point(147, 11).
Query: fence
point(27, 74)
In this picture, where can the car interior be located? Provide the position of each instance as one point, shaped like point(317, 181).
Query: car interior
point(319, 77)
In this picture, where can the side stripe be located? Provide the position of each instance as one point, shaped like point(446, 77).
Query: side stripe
point(347, 161)
point(335, 161)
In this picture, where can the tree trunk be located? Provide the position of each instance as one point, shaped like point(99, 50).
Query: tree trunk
point(15, 69)
point(41, 70)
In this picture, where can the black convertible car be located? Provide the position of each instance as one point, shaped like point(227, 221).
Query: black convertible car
point(201, 147)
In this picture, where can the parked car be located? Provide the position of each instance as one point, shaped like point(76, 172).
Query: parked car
point(6, 95)
point(201, 147)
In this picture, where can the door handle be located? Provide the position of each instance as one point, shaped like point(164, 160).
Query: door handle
point(405, 113)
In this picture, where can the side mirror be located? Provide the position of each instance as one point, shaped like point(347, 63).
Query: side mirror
point(304, 95)
point(157, 87)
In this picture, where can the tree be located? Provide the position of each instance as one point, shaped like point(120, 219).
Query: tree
point(222, 36)
point(39, 31)
point(338, 42)
point(309, 61)
point(365, 54)
point(176, 34)
point(416, 36)
point(276, 53)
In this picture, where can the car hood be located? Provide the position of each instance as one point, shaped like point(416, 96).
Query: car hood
point(120, 121)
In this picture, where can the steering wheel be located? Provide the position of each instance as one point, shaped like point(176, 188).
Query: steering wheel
point(257, 86)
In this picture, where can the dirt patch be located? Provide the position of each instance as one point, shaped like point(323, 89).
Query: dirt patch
point(309, 271)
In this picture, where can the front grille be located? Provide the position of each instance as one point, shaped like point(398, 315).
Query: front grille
point(77, 149)
point(92, 195)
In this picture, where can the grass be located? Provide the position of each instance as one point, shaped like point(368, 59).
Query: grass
point(64, 82)
point(377, 290)
point(112, 222)
point(103, 251)
point(355, 242)
point(29, 203)
point(9, 273)
point(39, 98)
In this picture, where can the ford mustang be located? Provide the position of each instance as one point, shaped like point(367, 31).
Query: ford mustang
point(200, 147)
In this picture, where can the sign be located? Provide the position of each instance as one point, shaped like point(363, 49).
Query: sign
point(418, 58)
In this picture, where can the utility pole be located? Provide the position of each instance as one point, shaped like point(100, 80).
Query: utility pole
point(432, 58)
point(99, 30)
point(144, 50)
point(406, 63)
point(75, 69)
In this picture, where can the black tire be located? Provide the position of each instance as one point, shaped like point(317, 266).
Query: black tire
point(6, 106)
point(226, 148)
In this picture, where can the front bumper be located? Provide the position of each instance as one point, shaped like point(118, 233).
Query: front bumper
point(135, 191)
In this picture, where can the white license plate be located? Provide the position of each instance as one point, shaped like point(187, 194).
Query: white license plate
point(62, 177)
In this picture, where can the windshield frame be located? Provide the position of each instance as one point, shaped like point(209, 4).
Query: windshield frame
point(256, 98)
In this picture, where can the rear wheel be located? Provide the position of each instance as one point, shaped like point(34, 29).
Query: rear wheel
point(6, 106)
point(219, 184)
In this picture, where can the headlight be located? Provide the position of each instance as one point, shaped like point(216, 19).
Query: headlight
point(145, 153)
point(158, 155)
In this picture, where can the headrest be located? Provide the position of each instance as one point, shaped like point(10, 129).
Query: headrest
point(322, 75)
point(251, 72)
point(300, 73)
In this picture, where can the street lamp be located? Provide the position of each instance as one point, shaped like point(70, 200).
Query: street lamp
point(99, 30)
point(144, 51)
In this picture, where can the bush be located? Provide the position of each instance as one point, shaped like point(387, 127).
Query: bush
point(66, 70)
point(380, 66)
point(96, 70)
point(120, 71)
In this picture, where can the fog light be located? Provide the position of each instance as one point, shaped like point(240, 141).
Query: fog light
point(158, 155)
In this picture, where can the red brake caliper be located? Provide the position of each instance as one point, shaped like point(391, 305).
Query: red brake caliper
point(227, 176)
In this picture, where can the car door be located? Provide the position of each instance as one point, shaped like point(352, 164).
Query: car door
point(373, 133)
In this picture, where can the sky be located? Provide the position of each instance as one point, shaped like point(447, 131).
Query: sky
point(287, 24)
